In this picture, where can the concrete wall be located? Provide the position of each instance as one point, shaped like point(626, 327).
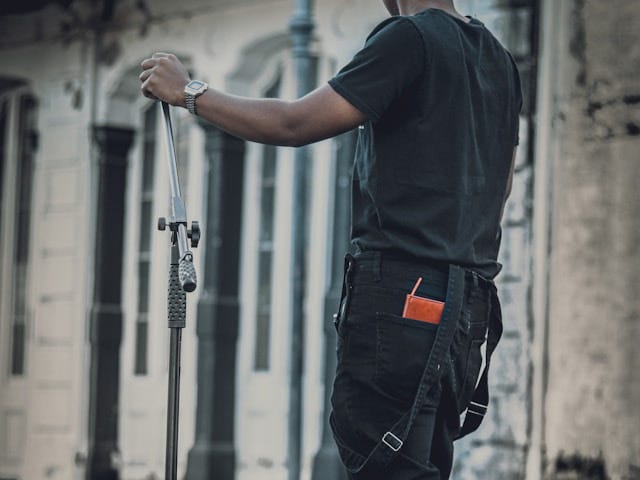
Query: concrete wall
point(593, 387)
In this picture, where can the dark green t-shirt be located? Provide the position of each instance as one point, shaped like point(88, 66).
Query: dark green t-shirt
point(442, 99)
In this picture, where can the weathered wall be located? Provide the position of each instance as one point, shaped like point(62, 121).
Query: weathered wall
point(593, 386)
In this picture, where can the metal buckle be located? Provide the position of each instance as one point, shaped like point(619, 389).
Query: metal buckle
point(477, 409)
point(397, 443)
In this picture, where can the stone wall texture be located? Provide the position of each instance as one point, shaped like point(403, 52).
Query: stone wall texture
point(591, 419)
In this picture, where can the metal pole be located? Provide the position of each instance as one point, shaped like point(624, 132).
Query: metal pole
point(186, 271)
point(182, 278)
point(177, 318)
point(301, 27)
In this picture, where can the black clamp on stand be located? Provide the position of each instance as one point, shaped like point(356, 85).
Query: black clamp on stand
point(182, 279)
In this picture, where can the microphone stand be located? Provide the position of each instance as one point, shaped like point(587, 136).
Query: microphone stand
point(182, 279)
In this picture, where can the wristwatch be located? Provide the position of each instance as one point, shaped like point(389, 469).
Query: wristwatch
point(193, 90)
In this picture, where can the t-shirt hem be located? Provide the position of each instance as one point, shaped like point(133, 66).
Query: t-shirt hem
point(354, 100)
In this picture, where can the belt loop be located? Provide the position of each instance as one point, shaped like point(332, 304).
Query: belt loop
point(489, 298)
point(471, 286)
point(349, 265)
point(347, 285)
point(475, 279)
point(377, 273)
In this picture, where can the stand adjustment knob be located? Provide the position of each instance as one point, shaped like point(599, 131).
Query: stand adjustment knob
point(194, 234)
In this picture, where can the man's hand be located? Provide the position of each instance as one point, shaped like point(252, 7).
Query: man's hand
point(163, 78)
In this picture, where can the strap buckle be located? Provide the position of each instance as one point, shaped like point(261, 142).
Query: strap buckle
point(477, 409)
point(391, 441)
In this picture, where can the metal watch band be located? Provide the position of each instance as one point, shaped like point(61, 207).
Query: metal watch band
point(190, 101)
point(193, 90)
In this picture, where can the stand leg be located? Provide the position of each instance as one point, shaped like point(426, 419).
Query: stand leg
point(177, 318)
point(173, 405)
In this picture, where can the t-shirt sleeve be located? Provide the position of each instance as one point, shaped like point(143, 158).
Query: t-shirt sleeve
point(392, 58)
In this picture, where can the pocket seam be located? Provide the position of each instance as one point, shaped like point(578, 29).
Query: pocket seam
point(408, 322)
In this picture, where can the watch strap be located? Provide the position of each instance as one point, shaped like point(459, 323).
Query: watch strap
point(190, 101)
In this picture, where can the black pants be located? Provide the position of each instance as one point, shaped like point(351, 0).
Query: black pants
point(381, 359)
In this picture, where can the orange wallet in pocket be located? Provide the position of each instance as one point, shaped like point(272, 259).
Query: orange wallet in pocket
point(422, 309)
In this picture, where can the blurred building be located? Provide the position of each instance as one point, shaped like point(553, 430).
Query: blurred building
point(83, 270)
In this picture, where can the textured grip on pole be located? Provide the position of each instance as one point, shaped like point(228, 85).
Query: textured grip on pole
point(187, 274)
point(177, 305)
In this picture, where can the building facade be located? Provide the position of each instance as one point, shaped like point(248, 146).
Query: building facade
point(84, 343)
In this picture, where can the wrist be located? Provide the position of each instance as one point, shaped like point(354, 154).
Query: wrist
point(180, 97)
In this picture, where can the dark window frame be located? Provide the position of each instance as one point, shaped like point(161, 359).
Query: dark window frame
point(266, 250)
point(18, 131)
point(145, 240)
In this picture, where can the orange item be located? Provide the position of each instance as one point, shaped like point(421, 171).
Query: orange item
point(422, 309)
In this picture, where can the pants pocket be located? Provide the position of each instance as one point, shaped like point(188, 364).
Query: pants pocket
point(402, 349)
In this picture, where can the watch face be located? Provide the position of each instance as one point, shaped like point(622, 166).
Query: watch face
point(195, 87)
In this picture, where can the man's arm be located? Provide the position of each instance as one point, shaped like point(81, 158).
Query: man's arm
point(321, 114)
point(511, 171)
point(509, 181)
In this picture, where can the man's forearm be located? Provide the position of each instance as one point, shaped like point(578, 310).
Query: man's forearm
point(265, 120)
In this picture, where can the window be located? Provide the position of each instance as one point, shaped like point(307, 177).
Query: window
point(147, 227)
point(182, 122)
point(3, 147)
point(17, 150)
point(266, 247)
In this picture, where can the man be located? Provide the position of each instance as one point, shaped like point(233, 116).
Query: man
point(437, 100)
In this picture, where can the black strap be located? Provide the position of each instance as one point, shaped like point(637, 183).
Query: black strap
point(480, 399)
